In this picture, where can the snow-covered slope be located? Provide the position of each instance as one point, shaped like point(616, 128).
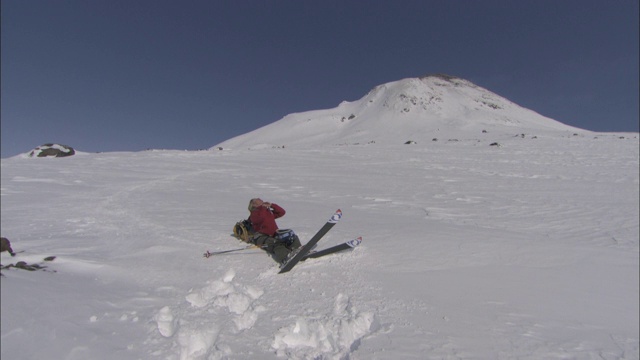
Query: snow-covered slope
point(414, 109)
point(528, 250)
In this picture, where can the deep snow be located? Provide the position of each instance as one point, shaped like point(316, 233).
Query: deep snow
point(527, 250)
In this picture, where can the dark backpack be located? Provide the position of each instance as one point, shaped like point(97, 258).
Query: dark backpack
point(287, 236)
point(243, 230)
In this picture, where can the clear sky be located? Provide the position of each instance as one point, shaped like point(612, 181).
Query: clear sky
point(122, 75)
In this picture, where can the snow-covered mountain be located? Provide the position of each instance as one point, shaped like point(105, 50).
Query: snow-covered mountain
point(527, 250)
point(413, 109)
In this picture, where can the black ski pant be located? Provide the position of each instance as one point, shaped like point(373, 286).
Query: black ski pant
point(275, 247)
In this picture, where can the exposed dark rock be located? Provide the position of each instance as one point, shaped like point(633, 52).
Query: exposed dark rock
point(52, 150)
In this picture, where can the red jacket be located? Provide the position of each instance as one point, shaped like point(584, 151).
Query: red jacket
point(263, 220)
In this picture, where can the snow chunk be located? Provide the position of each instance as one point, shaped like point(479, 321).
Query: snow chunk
point(166, 322)
point(228, 277)
point(206, 295)
point(197, 343)
point(333, 336)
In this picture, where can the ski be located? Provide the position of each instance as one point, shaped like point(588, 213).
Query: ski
point(334, 249)
point(304, 250)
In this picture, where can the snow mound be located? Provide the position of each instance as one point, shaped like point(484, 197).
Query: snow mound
point(413, 109)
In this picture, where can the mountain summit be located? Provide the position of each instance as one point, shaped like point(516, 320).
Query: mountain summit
point(415, 109)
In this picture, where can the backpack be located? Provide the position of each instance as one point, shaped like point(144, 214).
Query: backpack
point(243, 230)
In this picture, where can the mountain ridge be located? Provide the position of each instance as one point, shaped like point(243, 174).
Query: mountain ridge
point(408, 109)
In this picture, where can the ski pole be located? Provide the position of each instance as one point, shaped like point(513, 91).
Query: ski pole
point(208, 253)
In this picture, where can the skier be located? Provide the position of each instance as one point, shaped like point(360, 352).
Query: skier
point(263, 219)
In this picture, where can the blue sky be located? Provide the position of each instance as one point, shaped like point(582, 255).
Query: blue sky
point(122, 75)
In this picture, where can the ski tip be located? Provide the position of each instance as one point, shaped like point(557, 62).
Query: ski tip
point(336, 217)
point(355, 242)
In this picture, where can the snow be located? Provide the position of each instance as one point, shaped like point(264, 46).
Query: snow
point(529, 250)
point(525, 250)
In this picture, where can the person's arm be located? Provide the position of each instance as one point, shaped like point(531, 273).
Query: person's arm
point(277, 210)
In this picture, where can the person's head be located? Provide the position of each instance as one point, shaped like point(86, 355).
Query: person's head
point(254, 203)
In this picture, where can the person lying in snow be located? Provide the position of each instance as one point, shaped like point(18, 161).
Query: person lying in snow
point(279, 243)
point(5, 245)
